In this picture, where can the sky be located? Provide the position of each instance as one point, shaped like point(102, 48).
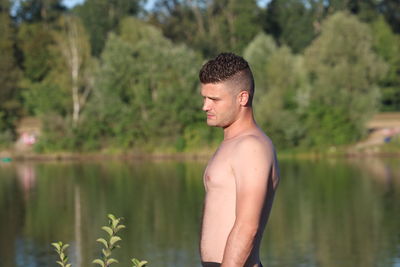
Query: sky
point(72, 3)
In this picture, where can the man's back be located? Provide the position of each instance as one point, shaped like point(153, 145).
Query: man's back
point(223, 182)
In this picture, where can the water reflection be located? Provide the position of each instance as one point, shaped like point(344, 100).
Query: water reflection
point(26, 174)
point(384, 171)
point(331, 213)
point(78, 226)
point(327, 213)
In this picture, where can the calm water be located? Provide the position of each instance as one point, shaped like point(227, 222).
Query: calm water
point(326, 213)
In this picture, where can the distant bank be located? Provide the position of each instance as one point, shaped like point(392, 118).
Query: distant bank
point(383, 139)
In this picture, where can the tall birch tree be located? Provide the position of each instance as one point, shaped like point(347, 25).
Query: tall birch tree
point(73, 44)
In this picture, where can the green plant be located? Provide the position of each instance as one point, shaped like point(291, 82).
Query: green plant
point(137, 263)
point(113, 227)
point(60, 249)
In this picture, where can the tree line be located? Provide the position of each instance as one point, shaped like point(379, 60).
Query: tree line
point(118, 75)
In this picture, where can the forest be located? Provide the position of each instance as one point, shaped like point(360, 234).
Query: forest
point(122, 75)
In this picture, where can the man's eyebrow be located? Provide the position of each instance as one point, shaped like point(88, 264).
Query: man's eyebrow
point(213, 97)
point(210, 96)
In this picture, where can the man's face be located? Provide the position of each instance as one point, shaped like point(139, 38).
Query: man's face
point(220, 104)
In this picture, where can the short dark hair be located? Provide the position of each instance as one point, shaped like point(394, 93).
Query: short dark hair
point(229, 67)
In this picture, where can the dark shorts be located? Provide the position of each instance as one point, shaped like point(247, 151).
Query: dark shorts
point(215, 264)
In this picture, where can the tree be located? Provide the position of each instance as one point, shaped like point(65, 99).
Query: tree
point(208, 25)
point(9, 76)
point(57, 64)
point(241, 20)
point(292, 22)
point(58, 78)
point(145, 89)
point(34, 42)
point(103, 16)
point(33, 11)
point(387, 46)
point(44, 84)
point(344, 74)
point(391, 9)
point(297, 22)
point(73, 44)
point(281, 90)
point(258, 53)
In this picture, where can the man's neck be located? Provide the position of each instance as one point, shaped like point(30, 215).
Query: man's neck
point(244, 123)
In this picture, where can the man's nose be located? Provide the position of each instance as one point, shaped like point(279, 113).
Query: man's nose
point(206, 105)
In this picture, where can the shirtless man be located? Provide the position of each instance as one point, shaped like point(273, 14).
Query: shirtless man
point(241, 177)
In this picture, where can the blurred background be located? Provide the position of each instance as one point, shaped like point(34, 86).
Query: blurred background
point(121, 75)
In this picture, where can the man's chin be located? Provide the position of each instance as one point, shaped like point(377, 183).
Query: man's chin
point(212, 123)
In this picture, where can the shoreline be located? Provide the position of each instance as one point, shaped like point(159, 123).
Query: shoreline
point(99, 156)
point(202, 155)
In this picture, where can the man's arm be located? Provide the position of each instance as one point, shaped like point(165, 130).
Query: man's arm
point(251, 166)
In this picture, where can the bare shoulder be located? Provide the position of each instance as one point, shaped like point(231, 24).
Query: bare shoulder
point(256, 152)
point(257, 144)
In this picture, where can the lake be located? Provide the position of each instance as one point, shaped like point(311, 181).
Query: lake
point(332, 212)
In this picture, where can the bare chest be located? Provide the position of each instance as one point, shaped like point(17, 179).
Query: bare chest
point(218, 174)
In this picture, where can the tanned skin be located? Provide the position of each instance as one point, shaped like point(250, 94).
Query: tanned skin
point(240, 181)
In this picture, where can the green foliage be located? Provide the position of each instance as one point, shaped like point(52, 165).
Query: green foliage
point(366, 10)
point(391, 9)
point(34, 41)
point(46, 81)
point(258, 54)
point(387, 46)
point(6, 136)
point(58, 79)
point(10, 106)
point(209, 26)
point(137, 263)
point(111, 111)
point(291, 22)
point(45, 91)
point(60, 248)
point(197, 135)
point(72, 43)
point(325, 97)
point(145, 87)
point(280, 95)
point(46, 97)
point(344, 73)
point(315, 75)
point(38, 10)
point(101, 17)
point(240, 20)
point(109, 244)
point(57, 135)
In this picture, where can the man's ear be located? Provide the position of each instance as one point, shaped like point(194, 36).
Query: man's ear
point(243, 98)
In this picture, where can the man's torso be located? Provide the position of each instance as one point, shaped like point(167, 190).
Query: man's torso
point(220, 201)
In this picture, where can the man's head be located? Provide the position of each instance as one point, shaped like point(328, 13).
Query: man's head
point(232, 70)
point(227, 87)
